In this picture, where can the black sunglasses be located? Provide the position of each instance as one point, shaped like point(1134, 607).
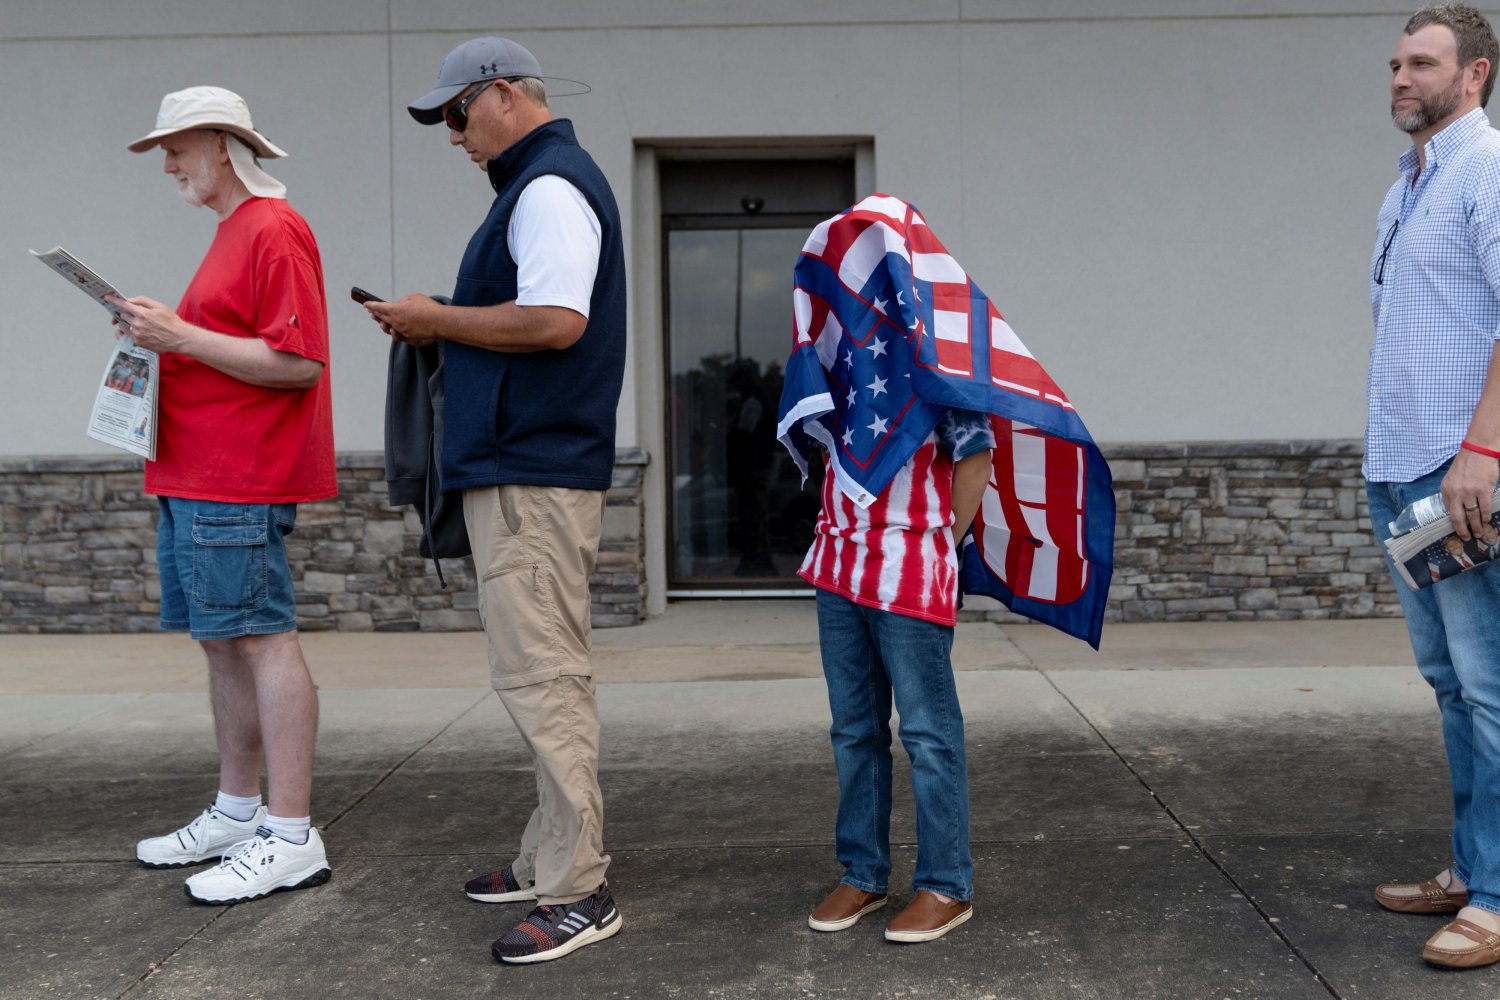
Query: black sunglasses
point(457, 116)
point(1384, 251)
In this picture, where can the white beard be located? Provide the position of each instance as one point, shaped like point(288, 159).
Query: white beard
point(197, 187)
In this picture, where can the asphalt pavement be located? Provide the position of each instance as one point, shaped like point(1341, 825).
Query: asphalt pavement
point(1197, 811)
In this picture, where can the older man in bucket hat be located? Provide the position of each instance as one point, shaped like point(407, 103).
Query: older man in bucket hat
point(533, 359)
point(245, 434)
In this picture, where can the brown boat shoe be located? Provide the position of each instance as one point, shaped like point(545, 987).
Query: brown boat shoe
point(843, 907)
point(1485, 949)
point(928, 917)
point(1421, 897)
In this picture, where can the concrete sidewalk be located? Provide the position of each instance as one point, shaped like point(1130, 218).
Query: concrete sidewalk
point(1198, 811)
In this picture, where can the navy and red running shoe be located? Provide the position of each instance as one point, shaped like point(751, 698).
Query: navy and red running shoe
point(551, 932)
point(499, 887)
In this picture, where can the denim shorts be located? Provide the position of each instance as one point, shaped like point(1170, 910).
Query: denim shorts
point(223, 567)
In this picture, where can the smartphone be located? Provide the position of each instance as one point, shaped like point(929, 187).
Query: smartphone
point(361, 296)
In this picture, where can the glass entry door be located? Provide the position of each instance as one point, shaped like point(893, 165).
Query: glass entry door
point(739, 517)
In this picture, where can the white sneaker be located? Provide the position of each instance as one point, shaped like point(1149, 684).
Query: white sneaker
point(260, 866)
point(209, 836)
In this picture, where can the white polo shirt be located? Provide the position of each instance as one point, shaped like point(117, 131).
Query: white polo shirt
point(554, 239)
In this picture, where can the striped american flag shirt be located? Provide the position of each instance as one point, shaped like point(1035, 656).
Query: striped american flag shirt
point(897, 554)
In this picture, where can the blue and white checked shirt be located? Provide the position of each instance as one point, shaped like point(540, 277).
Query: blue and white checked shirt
point(1437, 315)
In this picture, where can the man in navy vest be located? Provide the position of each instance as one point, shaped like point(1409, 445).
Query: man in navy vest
point(533, 358)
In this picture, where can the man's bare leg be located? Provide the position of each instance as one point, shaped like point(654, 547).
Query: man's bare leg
point(231, 693)
point(287, 705)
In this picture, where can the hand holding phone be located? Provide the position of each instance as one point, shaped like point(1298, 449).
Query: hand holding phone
point(361, 296)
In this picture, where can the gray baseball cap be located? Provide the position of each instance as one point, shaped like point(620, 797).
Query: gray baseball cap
point(477, 59)
point(489, 58)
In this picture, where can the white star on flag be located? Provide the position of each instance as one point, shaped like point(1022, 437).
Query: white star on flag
point(878, 427)
point(848, 437)
point(880, 305)
point(876, 387)
point(899, 300)
point(849, 359)
point(876, 348)
point(853, 395)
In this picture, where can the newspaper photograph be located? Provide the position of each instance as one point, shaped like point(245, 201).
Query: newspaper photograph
point(124, 413)
point(1431, 552)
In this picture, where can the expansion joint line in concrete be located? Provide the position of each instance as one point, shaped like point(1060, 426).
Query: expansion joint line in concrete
point(157, 966)
point(160, 964)
point(402, 763)
point(1198, 845)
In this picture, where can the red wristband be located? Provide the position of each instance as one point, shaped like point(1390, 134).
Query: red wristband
point(1487, 452)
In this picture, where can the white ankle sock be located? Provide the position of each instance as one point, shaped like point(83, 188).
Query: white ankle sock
point(292, 829)
point(237, 807)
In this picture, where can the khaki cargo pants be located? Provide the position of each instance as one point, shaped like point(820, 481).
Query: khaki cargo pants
point(534, 549)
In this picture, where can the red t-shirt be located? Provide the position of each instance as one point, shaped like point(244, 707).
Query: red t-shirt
point(222, 439)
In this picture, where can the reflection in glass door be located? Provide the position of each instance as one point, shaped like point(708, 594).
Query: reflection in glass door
point(738, 514)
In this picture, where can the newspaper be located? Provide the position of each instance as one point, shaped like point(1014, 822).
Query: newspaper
point(1431, 552)
point(124, 413)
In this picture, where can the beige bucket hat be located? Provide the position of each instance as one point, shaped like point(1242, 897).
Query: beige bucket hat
point(217, 108)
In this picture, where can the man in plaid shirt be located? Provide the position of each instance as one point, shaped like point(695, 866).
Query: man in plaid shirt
point(1434, 426)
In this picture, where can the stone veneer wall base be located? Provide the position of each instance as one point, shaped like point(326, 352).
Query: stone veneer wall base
point(1240, 531)
point(77, 553)
point(1206, 531)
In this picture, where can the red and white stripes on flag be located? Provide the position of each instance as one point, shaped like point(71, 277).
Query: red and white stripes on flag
point(1030, 530)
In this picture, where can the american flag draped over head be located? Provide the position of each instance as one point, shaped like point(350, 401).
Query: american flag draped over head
point(890, 334)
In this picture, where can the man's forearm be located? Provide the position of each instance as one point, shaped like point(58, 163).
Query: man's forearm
point(250, 359)
point(1471, 478)
point(506, 327)
point(1484, 426)
point(970, 477)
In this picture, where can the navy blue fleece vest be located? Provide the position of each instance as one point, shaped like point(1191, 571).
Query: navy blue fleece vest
point(546, 418)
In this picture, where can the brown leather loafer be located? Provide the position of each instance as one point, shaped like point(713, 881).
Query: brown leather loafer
point(1485, 949)
point(1421, 897)
point(927, 918)
point(843, 908)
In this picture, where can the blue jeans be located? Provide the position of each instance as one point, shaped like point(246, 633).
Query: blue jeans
point(1455, 631)
point(868, 655)
point(223, 566)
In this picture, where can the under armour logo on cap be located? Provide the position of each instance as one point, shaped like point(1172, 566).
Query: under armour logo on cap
point(477, 59)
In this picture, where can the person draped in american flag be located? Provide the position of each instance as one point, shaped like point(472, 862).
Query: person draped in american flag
point(887, 582)
point(923, 402)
